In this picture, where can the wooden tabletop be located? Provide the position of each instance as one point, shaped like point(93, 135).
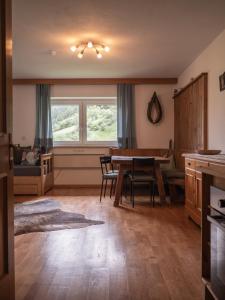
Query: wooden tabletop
point(128, 159)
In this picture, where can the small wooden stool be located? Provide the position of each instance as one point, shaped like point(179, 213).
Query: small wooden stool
point(173, 183)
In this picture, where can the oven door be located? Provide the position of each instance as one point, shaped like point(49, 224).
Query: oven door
point(217, 246)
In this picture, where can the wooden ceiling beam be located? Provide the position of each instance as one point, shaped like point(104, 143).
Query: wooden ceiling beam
point(94, 81)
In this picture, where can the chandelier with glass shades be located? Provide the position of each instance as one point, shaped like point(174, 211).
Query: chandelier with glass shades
point(82, 47)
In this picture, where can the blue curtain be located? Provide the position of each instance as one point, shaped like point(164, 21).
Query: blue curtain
point(126, 116)
point(43, 133)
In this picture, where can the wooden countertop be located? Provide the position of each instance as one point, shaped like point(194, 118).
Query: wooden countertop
point(219, 158)
point(215, 163)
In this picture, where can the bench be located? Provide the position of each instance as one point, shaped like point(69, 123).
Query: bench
point(34, 180)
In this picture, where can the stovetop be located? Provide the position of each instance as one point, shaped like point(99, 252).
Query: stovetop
point(217, 199)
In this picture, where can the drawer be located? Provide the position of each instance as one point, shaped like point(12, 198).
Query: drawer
point(20, 189)
point(189, 163)
point(203, 164)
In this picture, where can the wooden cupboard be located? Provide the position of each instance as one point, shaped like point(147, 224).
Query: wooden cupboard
point(210, 172)
point(195, 164)
point(193, 190)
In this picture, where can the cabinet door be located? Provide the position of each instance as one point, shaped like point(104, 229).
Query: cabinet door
point(190, 188)
point(198, 189)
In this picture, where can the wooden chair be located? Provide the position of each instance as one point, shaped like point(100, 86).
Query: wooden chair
point(108, 173)
point(138, 176)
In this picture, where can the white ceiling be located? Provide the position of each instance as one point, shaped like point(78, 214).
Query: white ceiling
point(148, 38)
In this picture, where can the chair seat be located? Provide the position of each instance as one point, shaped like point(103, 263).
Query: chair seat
point(141, 178)
point(110, 175)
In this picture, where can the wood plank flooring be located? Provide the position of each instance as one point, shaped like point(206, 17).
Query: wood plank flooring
point(138, 254)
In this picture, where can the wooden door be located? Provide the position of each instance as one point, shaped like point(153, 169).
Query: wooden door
point(6, 198)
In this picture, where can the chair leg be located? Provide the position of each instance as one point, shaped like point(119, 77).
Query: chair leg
point(125, 187)
point(114, 187)
point(121, 197)
point(153, 194)
point(111, 188)
point(132, 192)
point(101, 190)
point(105, 187)
point(150, 186)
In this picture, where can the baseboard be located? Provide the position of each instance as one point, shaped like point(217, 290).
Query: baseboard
point(77, 186)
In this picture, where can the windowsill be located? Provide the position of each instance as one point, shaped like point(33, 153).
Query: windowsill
point(84, 146)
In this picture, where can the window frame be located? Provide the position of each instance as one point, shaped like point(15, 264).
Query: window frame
point(83, 102)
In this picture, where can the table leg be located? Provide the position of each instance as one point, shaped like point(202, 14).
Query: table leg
point(119, 185)
point(160, 183)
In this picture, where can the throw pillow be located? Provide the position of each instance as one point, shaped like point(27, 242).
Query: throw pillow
point(18, 153)
point(30, 158)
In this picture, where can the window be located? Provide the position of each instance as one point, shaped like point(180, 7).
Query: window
point(84, 122)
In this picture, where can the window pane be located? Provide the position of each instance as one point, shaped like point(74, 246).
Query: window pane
point(101, 122)
point(65, 123)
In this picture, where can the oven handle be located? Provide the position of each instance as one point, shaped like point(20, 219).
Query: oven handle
point(214, 220)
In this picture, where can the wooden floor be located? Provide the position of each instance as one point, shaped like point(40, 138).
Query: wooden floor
point(141, 253)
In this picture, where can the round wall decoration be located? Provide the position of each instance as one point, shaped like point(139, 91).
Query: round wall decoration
point(154, 111)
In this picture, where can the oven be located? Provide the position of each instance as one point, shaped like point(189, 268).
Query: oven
point(217, 241)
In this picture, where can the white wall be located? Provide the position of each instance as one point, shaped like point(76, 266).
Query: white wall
point(24, 106)
point(158, 135)
point(83, 91)
point(148, 135)
point(211, 60)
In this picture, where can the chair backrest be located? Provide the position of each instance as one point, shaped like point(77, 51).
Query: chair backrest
point(146, 164)
point(106, 164)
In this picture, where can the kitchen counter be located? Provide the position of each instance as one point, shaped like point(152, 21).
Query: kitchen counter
point(210, 164)
point(219, 158)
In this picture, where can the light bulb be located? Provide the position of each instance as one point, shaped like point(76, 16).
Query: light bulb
point(73, 48)
point(107, 49)
point(90, 44)
point(53, 52)
point(80, 55)
point(99, 55)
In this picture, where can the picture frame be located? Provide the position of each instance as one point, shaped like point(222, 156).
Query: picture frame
point(222, 82)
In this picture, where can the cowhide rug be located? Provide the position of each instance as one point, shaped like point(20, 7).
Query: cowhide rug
point(46, 215)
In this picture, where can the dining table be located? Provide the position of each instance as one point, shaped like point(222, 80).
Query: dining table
point(124, 163)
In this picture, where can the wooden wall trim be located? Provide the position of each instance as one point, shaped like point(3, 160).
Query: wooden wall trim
point(93, 81)
point(189, 84)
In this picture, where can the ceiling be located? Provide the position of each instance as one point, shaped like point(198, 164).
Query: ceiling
point(147, 38)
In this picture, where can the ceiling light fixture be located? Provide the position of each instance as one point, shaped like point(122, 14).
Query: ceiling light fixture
point(106, 48)
point(90, 44)
point(99, 55)
point(80, 54)
point(97, 47)
point(73, 48)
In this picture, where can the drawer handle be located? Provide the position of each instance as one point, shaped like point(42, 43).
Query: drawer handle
point(189, 163)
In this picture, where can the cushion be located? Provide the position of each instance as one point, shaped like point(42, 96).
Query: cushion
point(18, 153)
point(30, 158)
point(27, 170)
point(111, 175)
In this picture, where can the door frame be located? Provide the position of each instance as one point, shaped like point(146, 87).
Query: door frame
point(7, 270)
